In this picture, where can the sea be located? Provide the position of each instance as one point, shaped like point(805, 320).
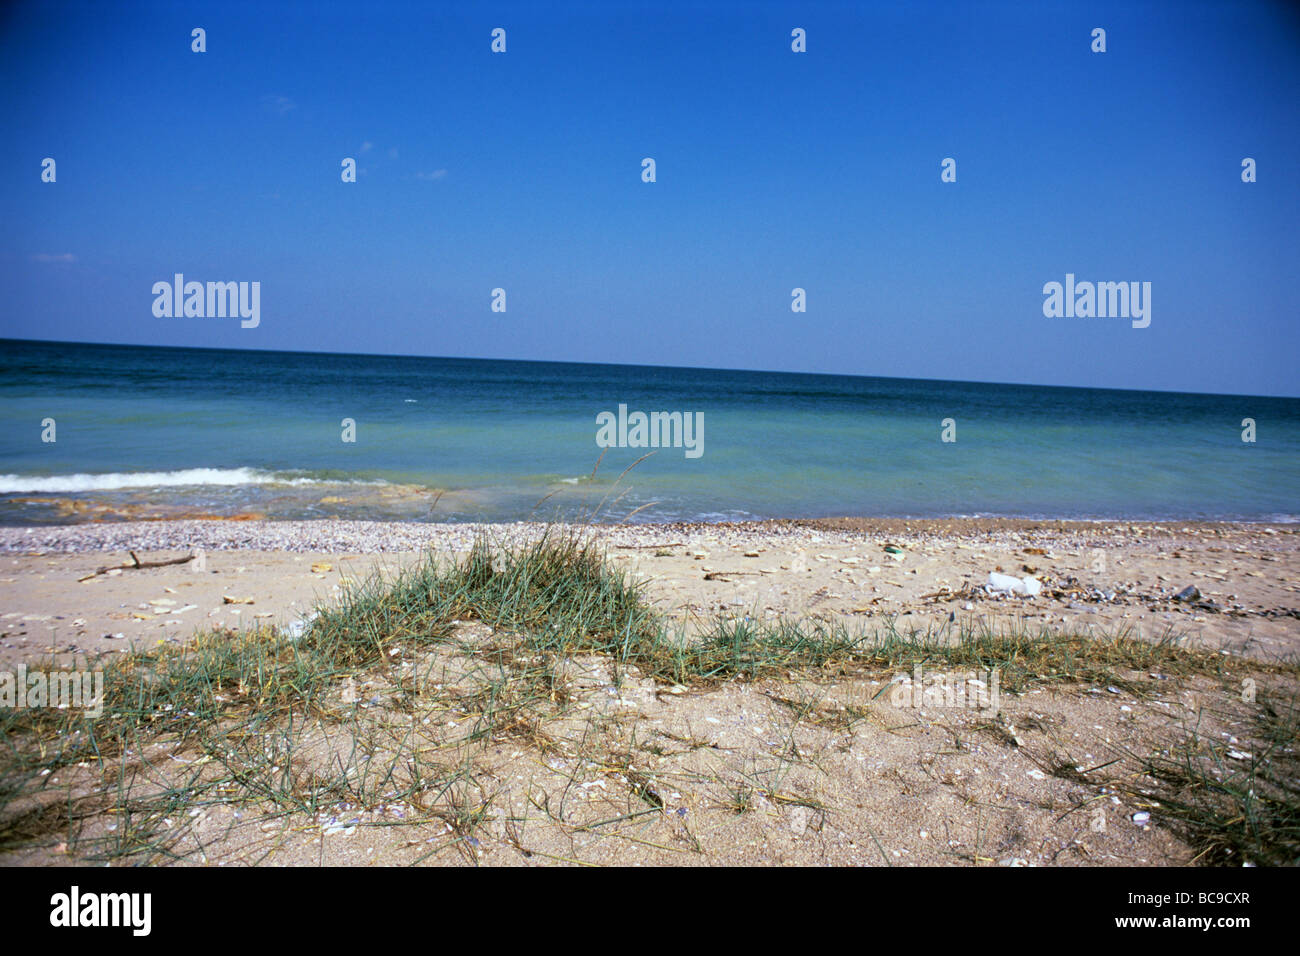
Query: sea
point(116, 433)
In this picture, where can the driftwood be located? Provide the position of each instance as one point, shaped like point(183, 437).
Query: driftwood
point(138, 564)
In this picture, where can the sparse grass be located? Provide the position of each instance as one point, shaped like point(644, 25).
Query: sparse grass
point(260, 719)
point(740, 799)
point(1235, 809)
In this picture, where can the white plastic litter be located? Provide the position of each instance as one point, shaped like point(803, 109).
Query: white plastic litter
point(296, 629)
point(1014, 585)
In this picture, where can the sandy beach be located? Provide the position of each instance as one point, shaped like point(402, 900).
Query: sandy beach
point(830, 767)
point(1102, 576)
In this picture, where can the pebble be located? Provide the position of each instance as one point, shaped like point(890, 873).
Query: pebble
point(360, 537)
point(799, 821)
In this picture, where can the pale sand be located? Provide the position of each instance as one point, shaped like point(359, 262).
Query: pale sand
point(828, 570)
point(907, 786)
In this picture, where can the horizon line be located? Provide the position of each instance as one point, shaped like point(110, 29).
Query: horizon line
point(691, 368)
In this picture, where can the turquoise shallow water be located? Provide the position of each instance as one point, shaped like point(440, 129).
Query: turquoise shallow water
point(151, 432)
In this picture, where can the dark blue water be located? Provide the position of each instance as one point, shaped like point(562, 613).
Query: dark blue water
point(152, 432)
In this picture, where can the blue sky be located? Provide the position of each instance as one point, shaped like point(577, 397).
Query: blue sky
point(775, 170)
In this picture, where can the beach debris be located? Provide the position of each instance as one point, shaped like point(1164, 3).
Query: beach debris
point(321, 567)
point(644, 787)
point(296, 629)
point(137, 563)
point(227, 599)
point(1141, 818)
point(1013, 861)
point(1188, 594)
point(1013, 585)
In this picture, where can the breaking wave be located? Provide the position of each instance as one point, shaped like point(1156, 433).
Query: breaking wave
point(113, 481)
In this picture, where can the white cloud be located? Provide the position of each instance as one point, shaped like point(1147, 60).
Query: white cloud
point(278, 104)
point(54, 257)
point(432, 176)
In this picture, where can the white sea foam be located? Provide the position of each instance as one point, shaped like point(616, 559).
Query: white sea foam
point(113, 481)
